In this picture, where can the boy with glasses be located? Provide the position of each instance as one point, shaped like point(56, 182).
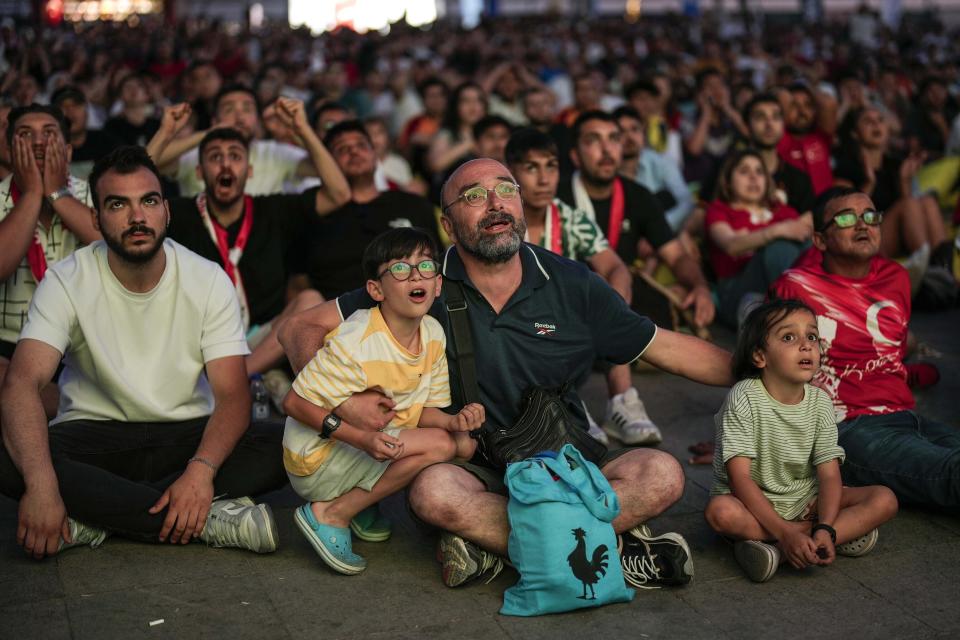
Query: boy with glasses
point(398, 350)
point(862, 302)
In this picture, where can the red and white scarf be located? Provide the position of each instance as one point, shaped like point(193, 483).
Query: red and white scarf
point(230, 256)
point(35, 255)
point(584, 203)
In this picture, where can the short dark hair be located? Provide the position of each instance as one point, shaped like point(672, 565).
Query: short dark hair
point(587, 116)
point(432, 81)
point(52, 111)
point(488, 122)
point(523, 141)
point(824, 199)
point(124, 160)
point(641, 86)
point(222, 133)
point(235, 87)
point(68, 92)
point(341, 128)
point(396, 244)
point(626, 111)
point(755, 330)
point(701, 78)
point(323, 107)
point(760, 98)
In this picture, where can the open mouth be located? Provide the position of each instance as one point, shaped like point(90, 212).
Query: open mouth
point(496, 224)
point(806, 362)
point(418, 295)
point(225, 180)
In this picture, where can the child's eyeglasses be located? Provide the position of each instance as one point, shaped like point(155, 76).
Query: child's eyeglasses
point(848, 218)
point(476, 196)
point(401, 271)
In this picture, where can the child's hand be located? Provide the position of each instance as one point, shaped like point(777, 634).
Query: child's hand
point(381, 446)
point(470, 417)
point(826, 553)
point(797, 545)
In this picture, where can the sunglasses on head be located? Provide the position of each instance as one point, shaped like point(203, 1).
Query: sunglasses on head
point(848, 218)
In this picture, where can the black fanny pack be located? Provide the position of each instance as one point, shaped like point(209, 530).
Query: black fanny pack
point(545, 423)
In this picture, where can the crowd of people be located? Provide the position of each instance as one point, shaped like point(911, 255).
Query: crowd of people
point(696, 176)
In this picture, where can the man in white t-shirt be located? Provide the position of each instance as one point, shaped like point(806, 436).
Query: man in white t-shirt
point(154, 398)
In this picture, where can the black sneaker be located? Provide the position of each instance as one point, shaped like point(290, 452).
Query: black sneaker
point(464, 561)
point(650, 562)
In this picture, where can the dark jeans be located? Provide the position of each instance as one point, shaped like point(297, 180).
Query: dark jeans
point(918, 458)
point(111, 473)
point(764, 268)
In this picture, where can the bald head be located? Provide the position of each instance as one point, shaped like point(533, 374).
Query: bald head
point(471, 173)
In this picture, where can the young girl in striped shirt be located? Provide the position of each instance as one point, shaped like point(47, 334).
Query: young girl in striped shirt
point(776, 489)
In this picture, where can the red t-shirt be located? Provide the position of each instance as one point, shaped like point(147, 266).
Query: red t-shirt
point(863, 328)
point(724, 265)
point(811, 154)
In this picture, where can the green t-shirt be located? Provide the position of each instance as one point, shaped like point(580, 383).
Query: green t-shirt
point(784, 442)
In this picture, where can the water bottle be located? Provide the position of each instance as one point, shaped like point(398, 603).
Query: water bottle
point(261, 399)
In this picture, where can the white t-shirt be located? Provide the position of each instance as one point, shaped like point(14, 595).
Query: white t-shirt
point(136, 357)
point(274, 169)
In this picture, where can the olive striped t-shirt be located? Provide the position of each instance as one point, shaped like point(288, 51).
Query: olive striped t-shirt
point(784, 443)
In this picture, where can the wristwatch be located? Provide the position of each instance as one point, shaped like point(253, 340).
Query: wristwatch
point(59, 193)
point(330, 424)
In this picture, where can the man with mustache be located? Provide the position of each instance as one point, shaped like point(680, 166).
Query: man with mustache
point(154, 397)
point(535, 318)
point(253, 237)
point(333, 243)
point(44, 217)
point(628, 214)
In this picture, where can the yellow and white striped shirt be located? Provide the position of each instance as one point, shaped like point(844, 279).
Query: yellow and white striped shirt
point(362, 354)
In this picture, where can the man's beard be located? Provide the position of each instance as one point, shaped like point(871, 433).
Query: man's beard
point(223, 204)
point(489, 249)
point(145, 254)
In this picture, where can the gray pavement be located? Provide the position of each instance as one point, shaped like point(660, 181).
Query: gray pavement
point(906, 588)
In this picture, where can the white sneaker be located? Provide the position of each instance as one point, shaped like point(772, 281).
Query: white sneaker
point(278, 384)
point(241, 524)
point(594, 429)
point(628, 422)
point(83, 534)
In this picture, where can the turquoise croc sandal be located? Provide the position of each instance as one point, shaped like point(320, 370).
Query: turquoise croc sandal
point(332, 544)
point(370, 526)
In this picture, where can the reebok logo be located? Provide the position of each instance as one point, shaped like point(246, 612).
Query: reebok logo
point(544, 329)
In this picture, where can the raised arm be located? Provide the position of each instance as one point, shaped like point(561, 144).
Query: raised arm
point(76, 215)
point(17, 229)
point(165, 148)
point(42, 517)
point(334, 191)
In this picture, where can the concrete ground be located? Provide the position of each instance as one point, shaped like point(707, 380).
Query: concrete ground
point(903, 589)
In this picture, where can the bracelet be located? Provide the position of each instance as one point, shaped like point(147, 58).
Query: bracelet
point(820, 526)
point(203, 461)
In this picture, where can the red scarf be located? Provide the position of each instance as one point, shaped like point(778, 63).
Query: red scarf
point(556, 239)
point(615, 223)
point(230, 256)
point(35, 256)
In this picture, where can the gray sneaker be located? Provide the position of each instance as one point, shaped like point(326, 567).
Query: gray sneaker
point(83, 534)
point(464, 561)
point(236, 523)
point(758, 560)
point(859, 546)
point(628, 422)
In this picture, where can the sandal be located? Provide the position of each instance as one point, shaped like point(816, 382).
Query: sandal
point(332, 544)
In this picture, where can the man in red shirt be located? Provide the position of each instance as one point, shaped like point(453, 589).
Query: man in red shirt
point(862, 303)
point(805, 145)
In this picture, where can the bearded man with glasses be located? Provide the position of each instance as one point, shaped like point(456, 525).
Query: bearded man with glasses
point(535, 319)
point(862, 302)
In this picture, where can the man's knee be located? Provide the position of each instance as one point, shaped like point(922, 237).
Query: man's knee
point(656, 473)
point(779, 255)
point(439, 494)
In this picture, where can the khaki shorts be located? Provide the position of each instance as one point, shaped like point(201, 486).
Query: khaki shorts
point(344, 469)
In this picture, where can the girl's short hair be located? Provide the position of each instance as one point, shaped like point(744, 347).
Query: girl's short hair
point(755, 329)
point(725, 180)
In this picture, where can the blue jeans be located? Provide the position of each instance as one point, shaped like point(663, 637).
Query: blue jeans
point(764, 268)
point(918, 458)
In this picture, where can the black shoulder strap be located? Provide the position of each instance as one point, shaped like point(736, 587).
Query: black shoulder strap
point(456, 303)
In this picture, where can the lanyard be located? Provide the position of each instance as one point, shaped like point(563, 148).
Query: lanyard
point(556, 235)
point(616, 214)
point(230, 256)
point(35, 256)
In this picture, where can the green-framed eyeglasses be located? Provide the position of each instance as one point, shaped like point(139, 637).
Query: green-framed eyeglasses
point(476, 196)
point(428, 270)
point(848, 218)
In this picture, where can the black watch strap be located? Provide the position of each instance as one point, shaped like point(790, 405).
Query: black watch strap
point(330, 424)
point(820, 526)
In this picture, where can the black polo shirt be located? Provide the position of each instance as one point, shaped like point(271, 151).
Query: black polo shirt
point(642, 218)
point(560, 319)
point(269, 256)
point(334, 243)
